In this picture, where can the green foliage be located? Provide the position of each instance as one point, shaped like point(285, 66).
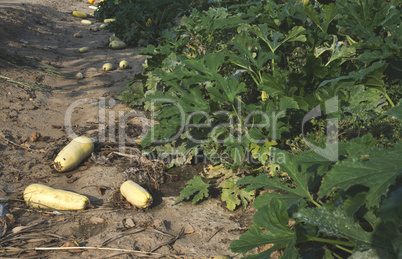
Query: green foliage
point(237, 79)
point(273, 218)
point(195, 186)
point(376, 169)
point(140, 22)
point(339, 208)
point(233, 195)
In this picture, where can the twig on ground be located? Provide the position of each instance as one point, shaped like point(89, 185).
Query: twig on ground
point(125, 233)
point(135, 252)
point(35, 87)
point(216, 232)
point(169, 242)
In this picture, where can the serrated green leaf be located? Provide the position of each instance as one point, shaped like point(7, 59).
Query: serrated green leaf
point(357, 146)
point(264, 181)
point(287, 103)
point(314, 67)
point(391, 207)
point(313, 15)
point(353, 204)
point(396, 111)
point(288, 199)
point(263, 32)
point(209, 64)
point(234, 196)
point(330, 13)
point(280, 235)
point(335, 223)
point(274, 218)
point(234, 88)
point(290, 165)
point(295, 35)
point(340, 52)
point(272, 86)
point(196, 187)
point(378, 172)
point(291, 252)
point(254, 237)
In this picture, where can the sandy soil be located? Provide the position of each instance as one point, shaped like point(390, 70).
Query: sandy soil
point(39, 61)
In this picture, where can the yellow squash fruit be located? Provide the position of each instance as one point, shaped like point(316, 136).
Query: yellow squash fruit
point(80, 15)
point(86, 22)
point(136, 195)
point(83, 49)
point(91, 1)
point(264, 96)
point(40, 196)
point(107, 67)
point(73, 154)
point(149, 22)
point(77, 35)
point(93, 7)
point(102, 26)
point(114, 38)
point(116, 44)
point(124, 64)
point(109, 20)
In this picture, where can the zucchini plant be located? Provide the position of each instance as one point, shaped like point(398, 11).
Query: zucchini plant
point(238, 79)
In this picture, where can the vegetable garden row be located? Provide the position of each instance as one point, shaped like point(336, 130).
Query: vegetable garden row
point(295, 105)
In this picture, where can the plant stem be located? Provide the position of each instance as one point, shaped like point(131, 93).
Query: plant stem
point(330, 241)
point(344, 249)
point(389, 100)
point(314, 202)
point(337, 256)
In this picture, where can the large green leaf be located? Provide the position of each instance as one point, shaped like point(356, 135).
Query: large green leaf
point(378, 171)
point(275, 39)
point(335, 223)
point(208, 64)
point(264, 199)
point(272, 85)
point(274, 219)
point(289, 165)
point(329, 13)
point(396, 111)
point(287, 103)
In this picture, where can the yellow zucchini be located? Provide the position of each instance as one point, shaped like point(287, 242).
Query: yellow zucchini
point(73, 154)
point(86, 22)
point(124, 64)
point(40, 196)
point(116, 44)
point(83, 49)
point(107, 67)
point(136, 195)
point(77, 35)
point(80, 15)
point(114, 38)
point(264, 96)
point(109, 20)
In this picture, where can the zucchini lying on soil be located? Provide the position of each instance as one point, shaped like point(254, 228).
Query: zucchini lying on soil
point(73, 154)
point(136, 195)
point(40, 196)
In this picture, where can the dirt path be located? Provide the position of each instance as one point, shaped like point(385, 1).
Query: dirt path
point(39, 60)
